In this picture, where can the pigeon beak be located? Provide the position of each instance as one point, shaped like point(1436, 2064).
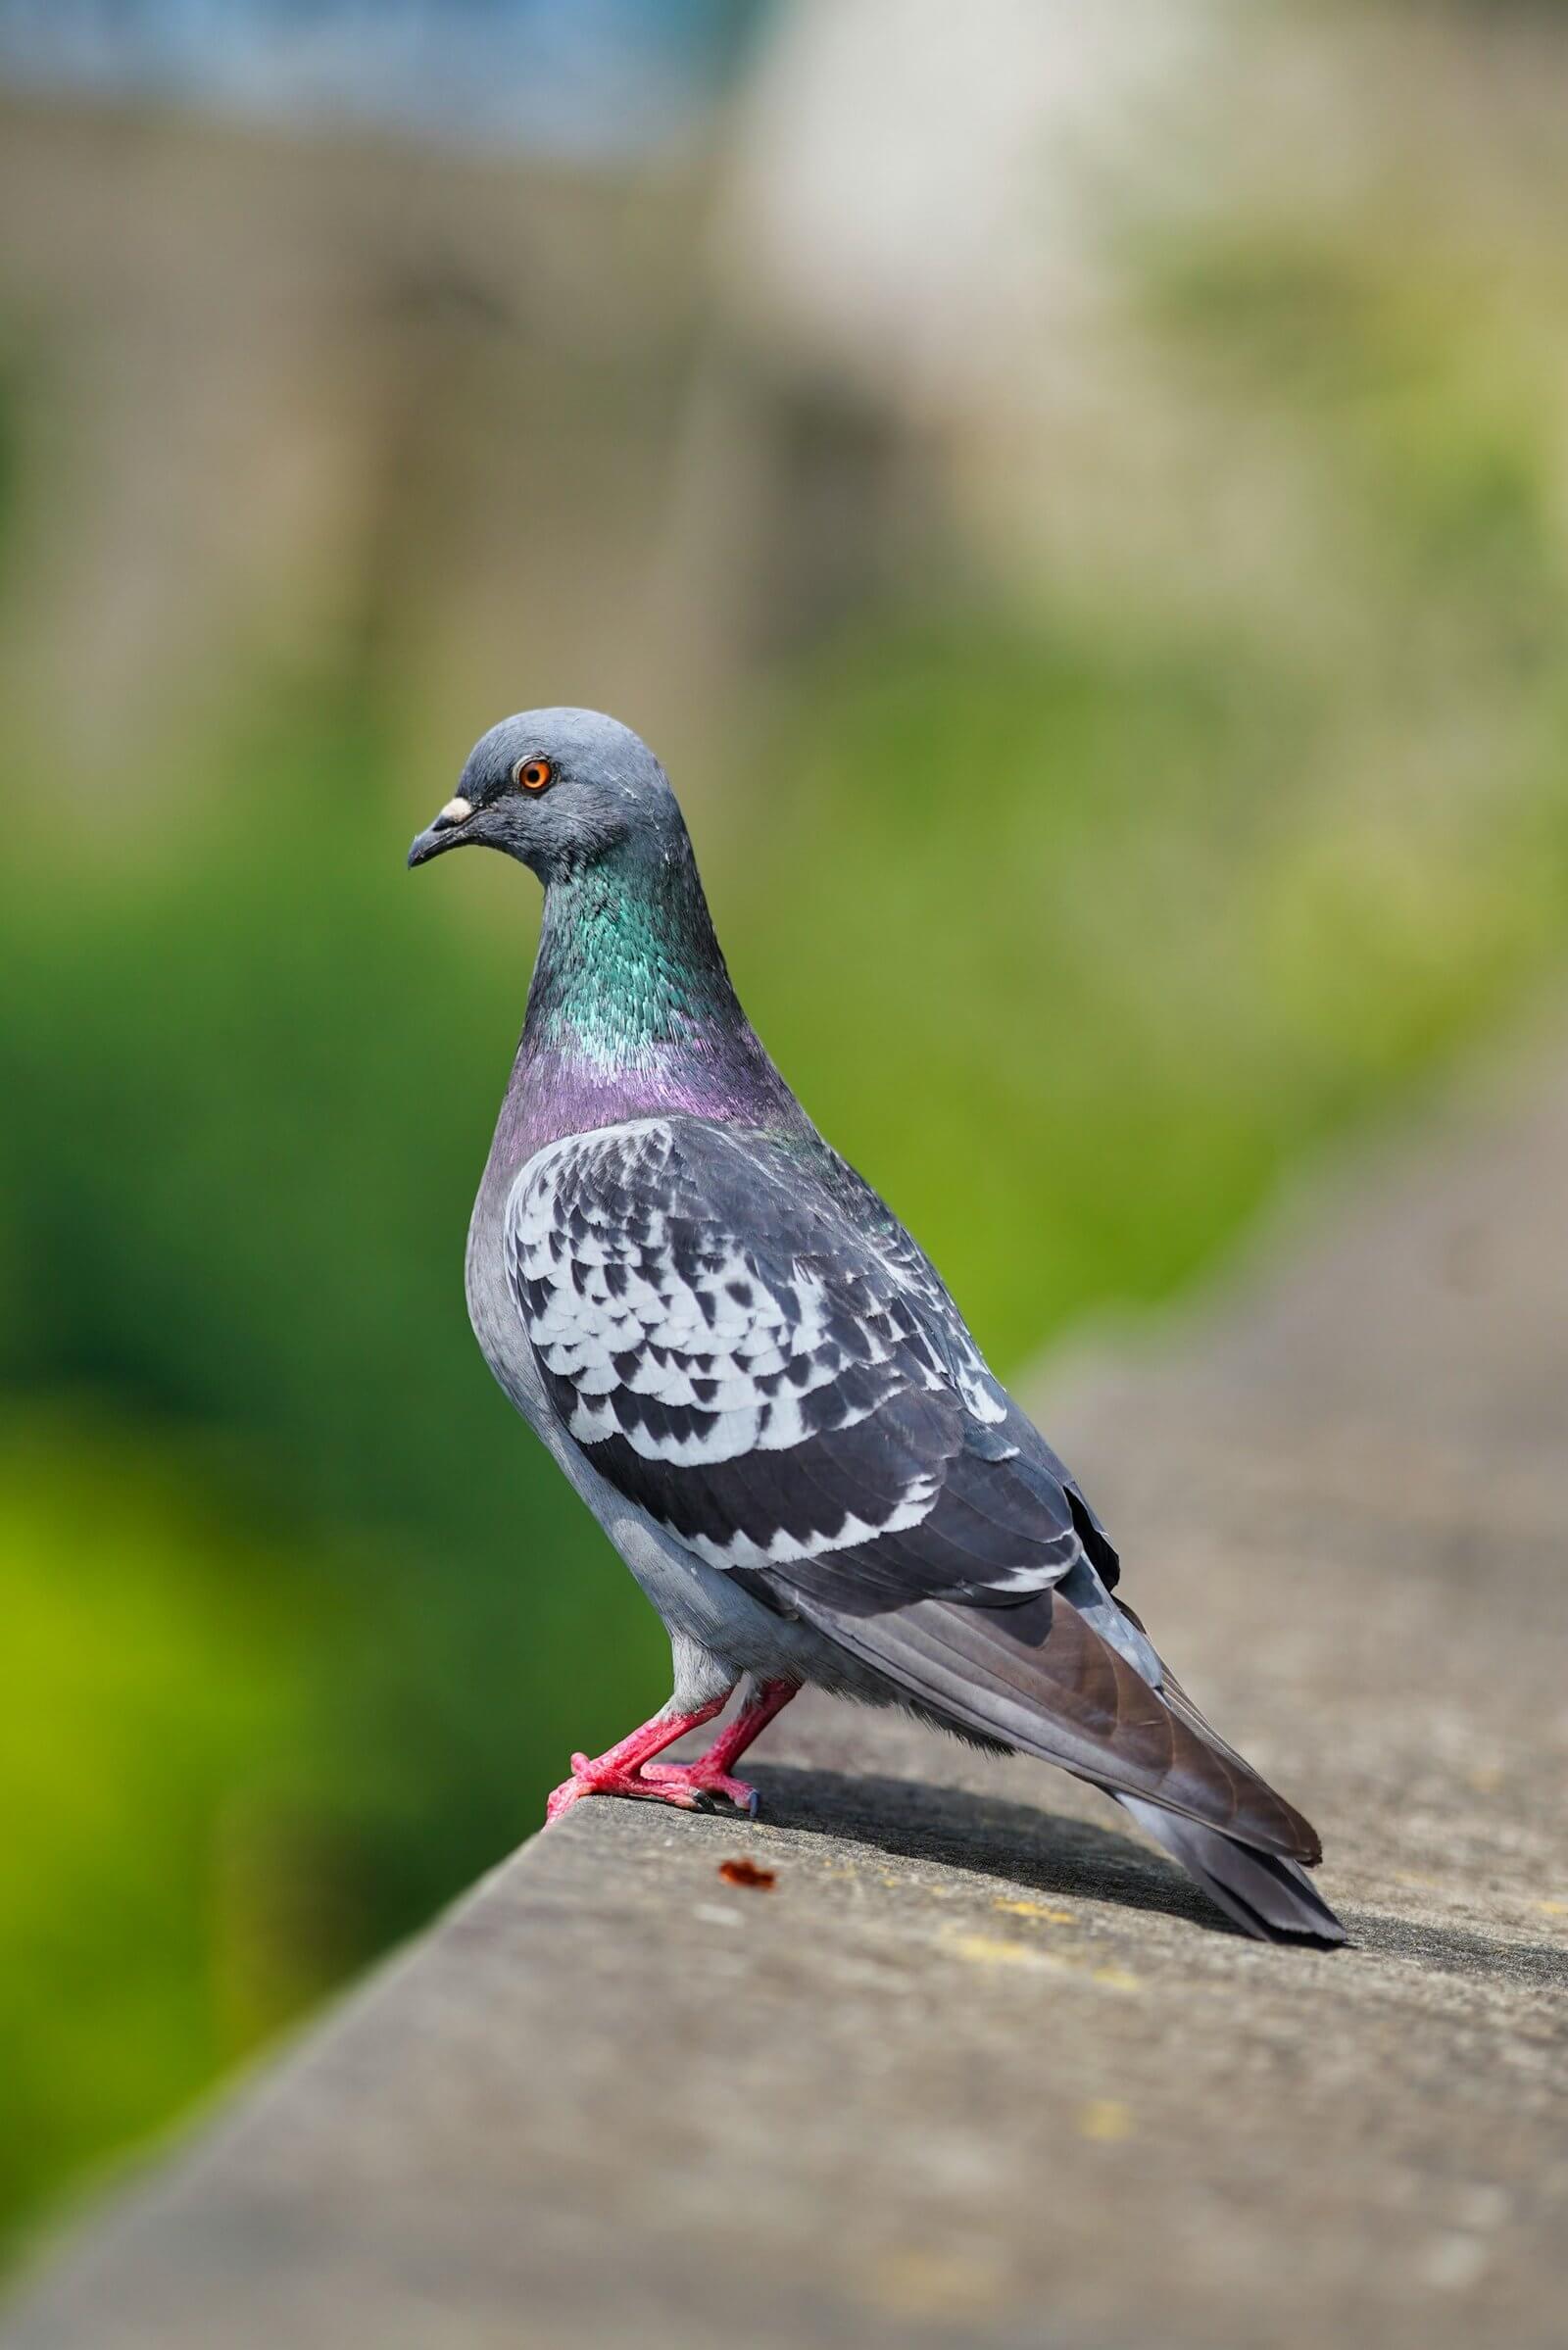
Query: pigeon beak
point(446, 832)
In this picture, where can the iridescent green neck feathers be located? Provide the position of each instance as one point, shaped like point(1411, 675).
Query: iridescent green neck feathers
point(628, 961)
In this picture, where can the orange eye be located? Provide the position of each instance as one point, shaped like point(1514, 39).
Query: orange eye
point(533, 774)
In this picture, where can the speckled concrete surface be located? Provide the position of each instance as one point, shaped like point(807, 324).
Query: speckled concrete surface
point(979, 2066)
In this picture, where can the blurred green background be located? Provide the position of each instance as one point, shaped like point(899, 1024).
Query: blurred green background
point(1082, 510)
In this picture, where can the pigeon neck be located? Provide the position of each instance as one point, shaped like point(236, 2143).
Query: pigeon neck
point(628, 961)
point(631, 1009)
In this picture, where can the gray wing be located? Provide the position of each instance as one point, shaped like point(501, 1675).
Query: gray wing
point(769, 1383)
point(869, 1211)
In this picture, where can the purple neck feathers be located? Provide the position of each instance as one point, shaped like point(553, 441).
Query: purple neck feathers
point(631, 1013)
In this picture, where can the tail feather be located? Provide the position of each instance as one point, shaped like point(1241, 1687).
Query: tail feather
point(1266, 1895)
point(1038, 1678)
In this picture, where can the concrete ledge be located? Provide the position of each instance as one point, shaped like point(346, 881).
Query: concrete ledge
point(978, 2066)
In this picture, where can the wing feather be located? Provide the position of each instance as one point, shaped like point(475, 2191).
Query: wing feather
point(775, 1385)
point(1042, 1680)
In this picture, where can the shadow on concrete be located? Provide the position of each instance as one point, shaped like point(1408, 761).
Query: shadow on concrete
point(1454, 1950)
point(986, 1835)
point(1039, 1851)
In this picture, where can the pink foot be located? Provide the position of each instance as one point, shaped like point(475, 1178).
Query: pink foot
point(685, 1784)
point(629, 1769)
point(710, 1774)
point(705, 1778)
point(621, 1771)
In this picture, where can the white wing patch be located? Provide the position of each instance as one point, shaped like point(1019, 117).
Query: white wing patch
point(771, 1382)
point(623, 1315)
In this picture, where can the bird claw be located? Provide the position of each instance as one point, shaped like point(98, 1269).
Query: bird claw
point(707, 1790)
point(709, 1799)
point(688, 1786)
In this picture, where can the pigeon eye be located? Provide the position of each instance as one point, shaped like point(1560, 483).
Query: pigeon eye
point(533, 774)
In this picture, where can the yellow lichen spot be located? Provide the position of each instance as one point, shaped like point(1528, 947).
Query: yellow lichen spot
point(991, 1950)
point(912, 2281)
point(1553, 1909)
point(1118, 1978)
point(1105, 2119)
point(1035, 1909)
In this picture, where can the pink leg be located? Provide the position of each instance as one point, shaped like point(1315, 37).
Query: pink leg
point(710, 1774)
point(619, 1772)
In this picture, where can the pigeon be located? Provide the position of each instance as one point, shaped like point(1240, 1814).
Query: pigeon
point(759, 1383)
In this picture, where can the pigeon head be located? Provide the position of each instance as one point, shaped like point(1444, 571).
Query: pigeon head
point(560, 790)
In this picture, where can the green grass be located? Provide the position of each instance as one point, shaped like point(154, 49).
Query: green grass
point(161, 1908)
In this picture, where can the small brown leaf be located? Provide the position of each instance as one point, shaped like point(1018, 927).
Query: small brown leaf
point(747, 1872)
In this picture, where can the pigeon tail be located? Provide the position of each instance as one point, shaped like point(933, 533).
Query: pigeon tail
point(1038, 1678)
point(1271, 1898)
